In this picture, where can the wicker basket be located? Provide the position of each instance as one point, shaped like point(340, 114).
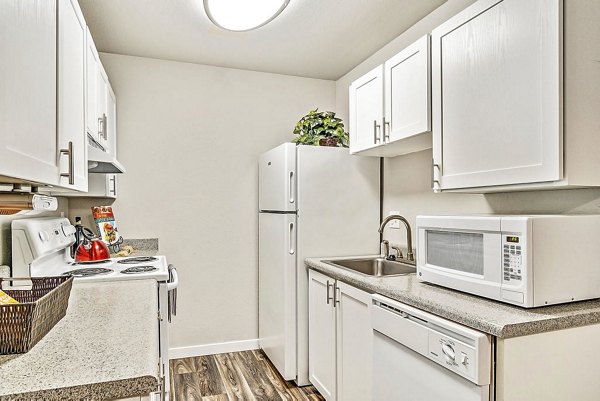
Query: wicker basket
point(23, 325)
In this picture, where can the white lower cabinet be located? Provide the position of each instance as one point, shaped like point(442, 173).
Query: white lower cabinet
point(340, 339)
point(553, 366)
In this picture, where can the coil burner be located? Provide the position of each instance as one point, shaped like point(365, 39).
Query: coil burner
point(136, 260)
point(87, 272)
point(139, 269)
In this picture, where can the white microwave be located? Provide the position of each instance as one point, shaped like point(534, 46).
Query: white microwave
point(528, 261)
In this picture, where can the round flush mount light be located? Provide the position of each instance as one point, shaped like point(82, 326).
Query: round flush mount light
point(243, 15)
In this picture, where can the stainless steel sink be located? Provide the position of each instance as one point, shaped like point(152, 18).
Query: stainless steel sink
point(376, 267)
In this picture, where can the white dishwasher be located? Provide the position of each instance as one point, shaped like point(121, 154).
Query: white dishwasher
point(422, 357)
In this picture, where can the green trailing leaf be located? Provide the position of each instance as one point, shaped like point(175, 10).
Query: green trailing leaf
point(316, 126)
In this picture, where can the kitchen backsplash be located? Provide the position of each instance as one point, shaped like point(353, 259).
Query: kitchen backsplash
point(407, 189)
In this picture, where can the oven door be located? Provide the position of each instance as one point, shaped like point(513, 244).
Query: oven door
point(463, 253)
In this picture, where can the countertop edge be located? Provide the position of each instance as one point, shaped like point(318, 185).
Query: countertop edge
point(501, 331)
point(137, 386)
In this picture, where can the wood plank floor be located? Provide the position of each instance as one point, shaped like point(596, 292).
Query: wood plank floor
point(246, 375)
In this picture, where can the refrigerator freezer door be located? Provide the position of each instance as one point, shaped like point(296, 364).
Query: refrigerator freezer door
point(277, 290)
point(277, 179)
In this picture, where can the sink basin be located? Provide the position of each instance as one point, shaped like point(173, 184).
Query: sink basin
point(376, 267)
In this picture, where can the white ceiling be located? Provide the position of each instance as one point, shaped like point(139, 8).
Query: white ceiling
point(311, 38)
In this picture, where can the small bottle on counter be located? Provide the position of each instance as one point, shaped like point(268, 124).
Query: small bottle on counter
point(78, 236)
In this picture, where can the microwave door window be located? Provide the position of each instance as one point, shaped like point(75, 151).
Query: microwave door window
point(462, 252)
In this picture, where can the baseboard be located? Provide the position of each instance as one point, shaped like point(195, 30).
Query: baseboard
point(210, 349)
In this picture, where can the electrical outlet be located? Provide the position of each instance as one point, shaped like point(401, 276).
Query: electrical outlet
point(394, 223)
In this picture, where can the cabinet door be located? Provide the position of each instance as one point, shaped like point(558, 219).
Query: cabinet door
point(497, 94)
point(91, 77)
point(354, 344)
point(71, 96)
point(321, 334)
point(407, 92)
point(28, 90)
point(111, 122)
point(102, 106)
point(366, 111)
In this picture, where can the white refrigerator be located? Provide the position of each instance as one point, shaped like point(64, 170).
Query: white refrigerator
point(313, 202)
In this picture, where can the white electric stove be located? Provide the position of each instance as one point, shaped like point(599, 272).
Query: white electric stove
point(130, 268)
point(41, 247)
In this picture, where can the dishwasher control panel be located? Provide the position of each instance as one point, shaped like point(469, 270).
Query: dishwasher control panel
point(459, 349)
point(453, 354)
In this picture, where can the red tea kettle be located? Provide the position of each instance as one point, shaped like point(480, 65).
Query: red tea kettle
point(91, 248)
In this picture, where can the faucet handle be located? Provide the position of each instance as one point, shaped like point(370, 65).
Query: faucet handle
point(398, 252)
point(385, 244)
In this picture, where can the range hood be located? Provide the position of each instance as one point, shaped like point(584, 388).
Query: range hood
point(100, 162)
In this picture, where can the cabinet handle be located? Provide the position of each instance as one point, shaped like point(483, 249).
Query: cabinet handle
point(329, 298)
point(112, 189)
point(70, 174)
point(433, 180)
point(100, 126)
point(336, 295)
point(376, 127)
point(102, 122)
point(104, 126)
point(292, 250)
point(291, 190)
point(386, 134)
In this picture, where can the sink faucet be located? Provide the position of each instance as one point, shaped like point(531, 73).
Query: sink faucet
point(409, 254)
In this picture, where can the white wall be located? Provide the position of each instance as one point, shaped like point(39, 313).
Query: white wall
point(190, 136)
point(407, 185)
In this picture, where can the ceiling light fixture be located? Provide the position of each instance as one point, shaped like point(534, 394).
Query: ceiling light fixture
point(243, 15)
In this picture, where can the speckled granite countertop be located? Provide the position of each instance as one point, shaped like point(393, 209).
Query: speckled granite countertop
point(142, 247)
point(495, 318)
point(86, 356)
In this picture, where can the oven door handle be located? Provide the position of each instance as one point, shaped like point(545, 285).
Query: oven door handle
point(172, 292)
point(173, 278)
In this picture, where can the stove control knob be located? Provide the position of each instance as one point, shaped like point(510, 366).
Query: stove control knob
point(464, 359)
point(448, 350)
point(44, 236)
point(68, 230)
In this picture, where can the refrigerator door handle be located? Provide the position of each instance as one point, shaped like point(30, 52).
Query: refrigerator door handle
point(291, 187)
point(292, 250)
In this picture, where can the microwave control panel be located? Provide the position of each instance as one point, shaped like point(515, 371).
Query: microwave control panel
point(513, 268)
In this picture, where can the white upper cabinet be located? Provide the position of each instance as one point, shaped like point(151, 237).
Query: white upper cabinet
point(102, 107)
point(407, 97)
point(390, 106)
point(497, 80)
point(366, 111)
point(111, 121)
point(71, 96)
point(498, 98)
point(92, 122)
point(28, 142)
